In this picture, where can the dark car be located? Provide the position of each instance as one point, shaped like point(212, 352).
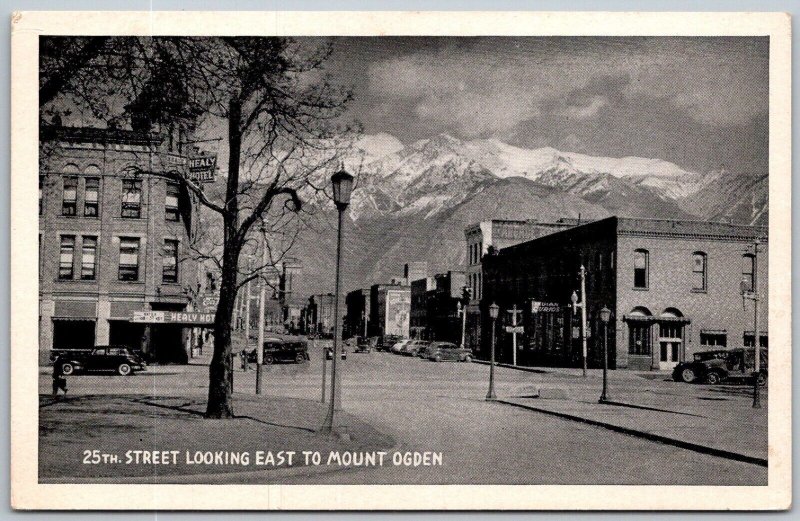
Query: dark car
point(388, 341)
point(445, 351)
point(121, 359)
point(718, 365)
point(365, 345)
point(287, 349)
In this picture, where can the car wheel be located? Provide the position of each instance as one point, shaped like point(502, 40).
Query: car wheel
point(687, 375)
point(437, 359)
point(268, 359)
point(762, 379)
point(67, 369)
point(299, 359)
point(124, 370)
point(713, 378)
point(468, 358)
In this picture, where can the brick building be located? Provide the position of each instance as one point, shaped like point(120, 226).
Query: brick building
point(390, 310)
point(115, 228)
point(420, 289)
point(357, 315)
point(495, 235)
point(319, 314)
point(673, 288)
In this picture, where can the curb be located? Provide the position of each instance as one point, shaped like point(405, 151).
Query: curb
point(517, 367)
point(703, 449)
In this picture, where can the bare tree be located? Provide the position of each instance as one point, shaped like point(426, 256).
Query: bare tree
point(272, 104)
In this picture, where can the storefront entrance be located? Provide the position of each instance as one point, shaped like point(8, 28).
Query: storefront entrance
point(670, 354)
point(670, 339)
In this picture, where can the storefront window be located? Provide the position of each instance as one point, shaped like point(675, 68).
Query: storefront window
point(639, 339)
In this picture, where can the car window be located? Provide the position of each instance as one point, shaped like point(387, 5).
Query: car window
point(98, 351)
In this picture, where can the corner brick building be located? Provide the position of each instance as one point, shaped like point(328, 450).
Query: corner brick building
point(673, 288)
point(114, 234)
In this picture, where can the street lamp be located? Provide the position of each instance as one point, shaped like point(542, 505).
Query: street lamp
point(494, 311)
point(605, 316)
point(342, 187)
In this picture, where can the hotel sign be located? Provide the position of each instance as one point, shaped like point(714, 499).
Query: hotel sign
point(191, 318)
point(202, 169)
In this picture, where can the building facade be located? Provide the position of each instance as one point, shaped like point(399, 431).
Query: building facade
point(420, 290)
point(320, 314)
point(390, 310)
point(673, 288)
point(486, 236)
point(356, 321)
point(115, 230)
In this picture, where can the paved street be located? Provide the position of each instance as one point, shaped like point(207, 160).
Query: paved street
point(427, 406)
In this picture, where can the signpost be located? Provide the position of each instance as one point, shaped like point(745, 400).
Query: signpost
point(514, 329)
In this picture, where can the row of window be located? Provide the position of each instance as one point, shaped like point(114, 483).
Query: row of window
point(129, 258)
point(475, 286)
point(131, 206)
point(474, 251)
point(641, 270)
point(640, 341)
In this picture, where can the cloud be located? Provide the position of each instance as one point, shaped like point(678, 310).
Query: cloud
point(489, 86)
point(586, 111)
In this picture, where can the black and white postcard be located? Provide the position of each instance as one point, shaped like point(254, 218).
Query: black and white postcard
point(336, 261)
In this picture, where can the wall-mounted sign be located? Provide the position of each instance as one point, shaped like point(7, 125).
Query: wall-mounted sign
point(211, 301)
point(544, 307)
point(173, 317)
point(202, 169)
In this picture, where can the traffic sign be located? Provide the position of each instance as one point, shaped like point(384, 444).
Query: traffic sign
point(544, 307)
point(515, 329)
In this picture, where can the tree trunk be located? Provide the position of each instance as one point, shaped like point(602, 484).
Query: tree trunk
point(219, 383)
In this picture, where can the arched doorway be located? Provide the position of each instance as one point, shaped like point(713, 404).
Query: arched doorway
point(671, 323)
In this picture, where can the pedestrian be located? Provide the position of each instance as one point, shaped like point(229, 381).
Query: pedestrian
point(59, 381)
point(243, 357)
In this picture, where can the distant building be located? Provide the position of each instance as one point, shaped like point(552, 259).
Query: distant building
point(414, 271)
point(673, 288)
point(115, 228)
point(319, 313)
point(357, 303)
point(390, 308)
point(495, 235)
point(419, 307)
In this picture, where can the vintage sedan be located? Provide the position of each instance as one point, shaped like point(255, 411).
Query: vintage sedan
point(120, 359)
point(282, 349)
point(413, 347)
point(718, 365)
point(445, 351)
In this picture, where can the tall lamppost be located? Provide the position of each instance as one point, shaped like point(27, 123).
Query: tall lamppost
point(342, 187)
point(605, 316)
point(582, 306)
point(494, 311)
point(751, 293)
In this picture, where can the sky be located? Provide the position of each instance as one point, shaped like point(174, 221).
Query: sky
point(701, 103)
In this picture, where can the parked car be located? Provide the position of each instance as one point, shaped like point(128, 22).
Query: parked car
point(283, 349)
point(422, 351)
point(717, 365)
point(121, 359)
point(387, 342)
point(411, 348)
point(445, 351)
point(397, 348)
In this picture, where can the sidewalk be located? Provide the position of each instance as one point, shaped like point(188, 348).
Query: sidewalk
point(714, 420)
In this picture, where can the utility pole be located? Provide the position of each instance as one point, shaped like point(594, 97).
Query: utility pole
point(514, 313)
point(364, 319)
point(247, 314)
point(582, 306)
point(262, 307)
point(752, 294)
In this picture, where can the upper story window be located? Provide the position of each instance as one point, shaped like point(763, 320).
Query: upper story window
point(641, 269)
point(699, 271)
point(91, 197)
point(89, 258)
point(171, 202)
point(131, 198)
point(748, 274)
point(128, 258)
point(714, 339)
point(66, 257)
point(170, 261)
point(70, 197)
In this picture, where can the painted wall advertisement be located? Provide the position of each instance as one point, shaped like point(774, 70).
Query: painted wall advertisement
point(398, 312)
